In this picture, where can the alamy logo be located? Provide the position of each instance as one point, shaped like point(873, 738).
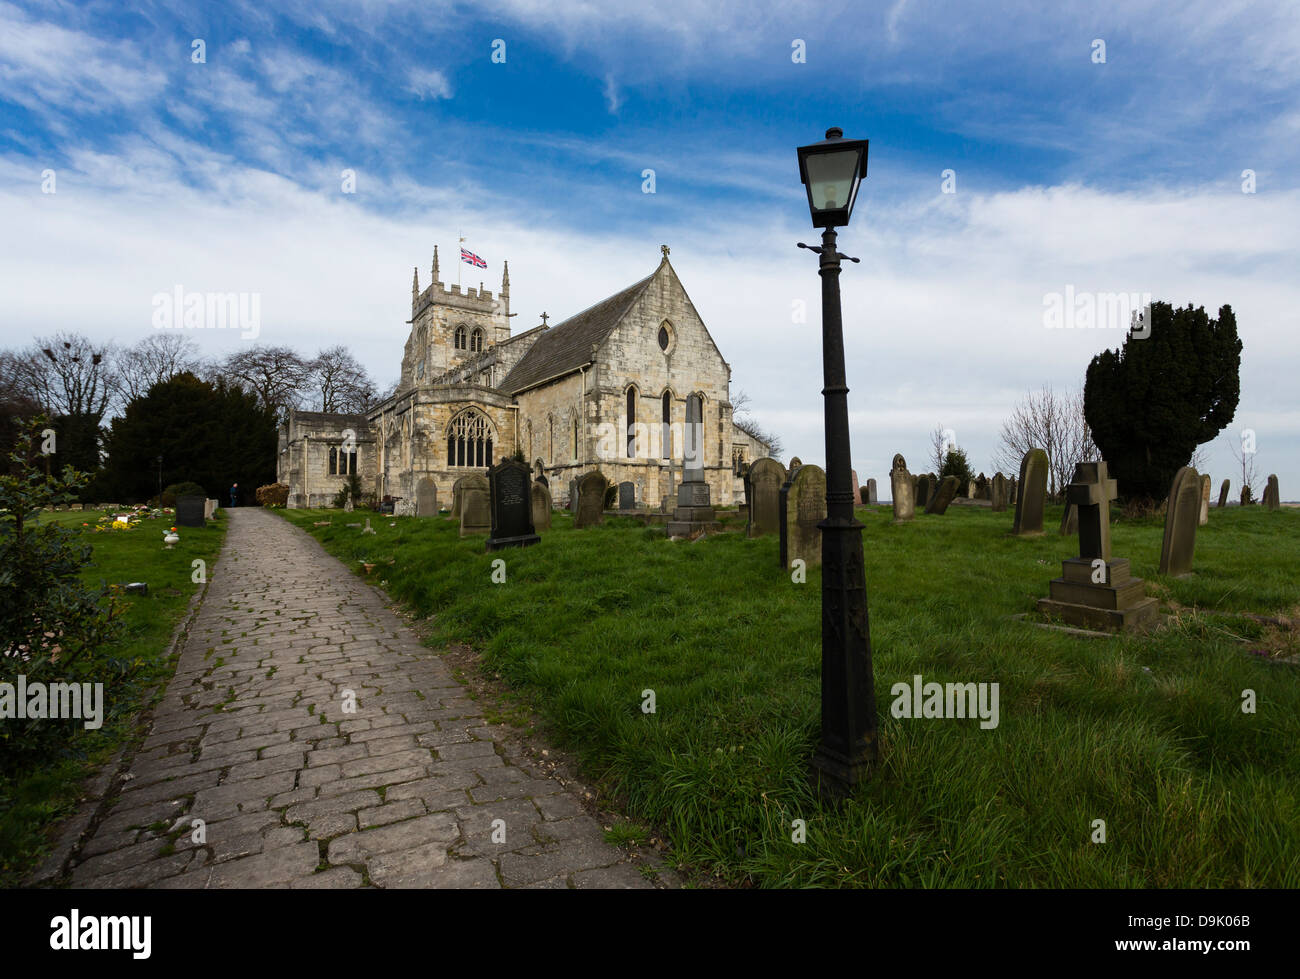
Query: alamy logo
point(1073, 310)
point(102, 932)
point(945, 701)
point(53, 701)
point(208, 311)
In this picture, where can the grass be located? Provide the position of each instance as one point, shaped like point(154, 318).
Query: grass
point(1145, 733)
point(34, 797)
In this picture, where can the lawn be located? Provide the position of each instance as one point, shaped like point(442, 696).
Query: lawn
point(1145, 733)
point(36, 792)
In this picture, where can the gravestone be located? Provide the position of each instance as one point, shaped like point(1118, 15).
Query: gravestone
point(694, 513)
point(1069, 520)
point(626, 496)
point(1033, 494)
point(1205, 500)
point(763, 494)
point(1246, 497)
point(475, 514)
point(971, 489)
point(591, 499)
point(938, 504)
point(189, 511)
point(924, 490)
point(469, 481)
point(541, 478)
point(1095, 591)
point(804, 508)
point(1223, 493)
point(403, 508)
point(426, 497)
point(209, 509)
point(999, 492)
point(1011, 496)
point(981, 487)
point(347, 505)
point(903, 489)
point(1181, 519)
point(871, 491)
point(573, 496)
point(795, 463)
point(541, 503)
point(857, 490)
point(511, 506)
point(1272, 498)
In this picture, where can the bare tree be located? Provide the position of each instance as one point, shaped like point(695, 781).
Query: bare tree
point(341, 383)
point(1051, 422)
point(1246, 459)
point(743, 420)
point(73, 381)
point(276, 375)
point(940, 442)
point(155, 359)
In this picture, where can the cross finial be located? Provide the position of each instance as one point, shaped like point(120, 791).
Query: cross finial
point(544, 319)
point(664, 249)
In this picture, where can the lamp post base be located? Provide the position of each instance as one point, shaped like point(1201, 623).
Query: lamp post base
point(838, 773)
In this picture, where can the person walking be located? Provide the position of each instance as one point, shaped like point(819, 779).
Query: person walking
point(234, 494)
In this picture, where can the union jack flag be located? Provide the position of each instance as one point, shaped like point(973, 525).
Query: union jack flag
point(470, 258)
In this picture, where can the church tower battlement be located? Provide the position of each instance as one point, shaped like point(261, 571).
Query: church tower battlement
point(450, 326)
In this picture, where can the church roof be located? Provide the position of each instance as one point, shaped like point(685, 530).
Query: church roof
point(567, 346)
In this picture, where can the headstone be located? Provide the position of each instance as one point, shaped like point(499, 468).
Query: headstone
point(511, 505)
point(938, 504)
point(1245, 496)
point(804, 508)
point(1181, 519)
point(189, 511)
point(475, 513)
point(347, 505)
point(999, 492)
point(209, 508)
point(924, 490)
point(426, 497)
point(591, 499)
point(763, 494)
point(857, 490)
point(971, 489)
point(403, 508)
point(541, 478)
point(541, 503)
point(1033, 494)
point(469, 481)
point(1205, 499)
point(795, 463)
point(1223, 493)
point(903, 489)
point(367, 529)
point(981, 487)
point(1069, 520)
point(871, 491)
point(1012, 496)
point(694, 513)
point(573, 496)
point(626, 496)
point(1272, 498)
point(1094, 590)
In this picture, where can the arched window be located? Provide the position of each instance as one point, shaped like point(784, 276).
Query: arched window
point(631, 423)
point(666, 428)
point(693, 435)
point(469, 440)
point(460, 338)
point(476, 342)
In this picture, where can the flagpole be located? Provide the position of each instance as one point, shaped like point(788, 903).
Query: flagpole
point(460, 259)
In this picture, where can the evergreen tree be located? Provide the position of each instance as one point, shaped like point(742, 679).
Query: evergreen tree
point(210, 434)
point(956, 464)
point(1151, 403)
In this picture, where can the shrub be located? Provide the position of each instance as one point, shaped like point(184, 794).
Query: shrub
point(273, 495)
point(175, 490)
point(611, 496)
point(351, 490)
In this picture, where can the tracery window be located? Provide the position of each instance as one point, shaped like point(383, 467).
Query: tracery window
point(460, 338)
point(469, 440)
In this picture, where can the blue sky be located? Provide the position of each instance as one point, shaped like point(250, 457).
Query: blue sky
point(1117, 176)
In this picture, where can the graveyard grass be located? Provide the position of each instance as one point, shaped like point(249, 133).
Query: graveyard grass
point(1145, 733)
point(47, 789)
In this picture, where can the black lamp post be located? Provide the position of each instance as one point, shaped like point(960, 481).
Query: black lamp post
point(832, 171)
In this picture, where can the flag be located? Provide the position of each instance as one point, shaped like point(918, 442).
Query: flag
point(470, 258)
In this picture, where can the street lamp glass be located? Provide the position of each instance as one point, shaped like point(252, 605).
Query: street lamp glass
point(832, 171)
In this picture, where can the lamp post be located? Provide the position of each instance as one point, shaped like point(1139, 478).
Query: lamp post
point(832, 171)
point(160, 460)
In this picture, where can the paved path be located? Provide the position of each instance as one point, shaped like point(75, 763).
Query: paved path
point(253, 737)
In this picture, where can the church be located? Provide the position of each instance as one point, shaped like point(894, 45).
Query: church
point(608, 388)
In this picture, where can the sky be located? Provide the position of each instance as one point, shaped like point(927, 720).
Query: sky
point(1018, 152)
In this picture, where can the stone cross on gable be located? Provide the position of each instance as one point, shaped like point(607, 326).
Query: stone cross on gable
point(1091, 491)
point(664, 249)
point(544, 319)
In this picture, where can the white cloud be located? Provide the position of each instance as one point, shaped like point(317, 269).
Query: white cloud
point(428, 83)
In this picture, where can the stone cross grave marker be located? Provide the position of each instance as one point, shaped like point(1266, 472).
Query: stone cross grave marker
point(763, 494)
point(1032, 490)
point(1182, 517)
point(511, 506)
point(1095, 591)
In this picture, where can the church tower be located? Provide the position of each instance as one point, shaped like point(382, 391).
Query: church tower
point(449, 326)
